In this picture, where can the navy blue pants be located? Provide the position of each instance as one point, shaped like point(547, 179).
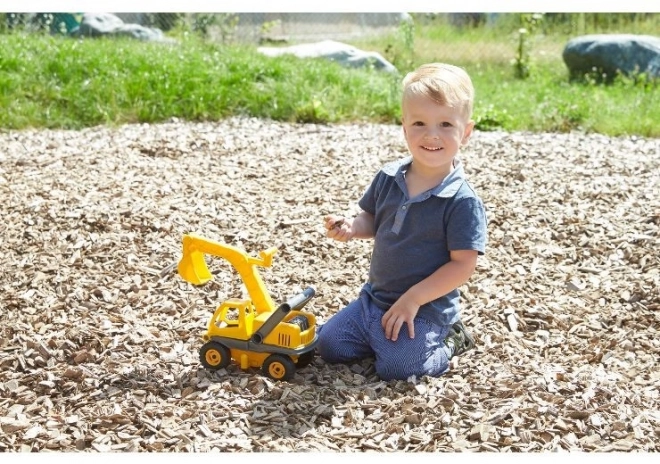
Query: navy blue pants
point(356, 332)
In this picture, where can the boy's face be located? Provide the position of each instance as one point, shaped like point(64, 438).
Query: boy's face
point(434, 133)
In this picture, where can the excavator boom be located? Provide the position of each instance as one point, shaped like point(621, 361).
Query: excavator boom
point(193, 268)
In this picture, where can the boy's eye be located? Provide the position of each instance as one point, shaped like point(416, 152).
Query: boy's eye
point(418, 123)
point(446, 124)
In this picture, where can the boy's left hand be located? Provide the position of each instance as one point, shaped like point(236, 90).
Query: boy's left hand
point(401, 312)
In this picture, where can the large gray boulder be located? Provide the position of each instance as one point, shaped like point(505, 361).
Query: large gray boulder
point(107, 24)
point(608, 53)
point(344, 54)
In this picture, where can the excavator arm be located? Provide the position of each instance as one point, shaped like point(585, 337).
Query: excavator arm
point(193, 268)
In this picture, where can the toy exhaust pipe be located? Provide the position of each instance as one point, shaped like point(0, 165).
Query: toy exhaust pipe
point(294, 303)
point(297, 302)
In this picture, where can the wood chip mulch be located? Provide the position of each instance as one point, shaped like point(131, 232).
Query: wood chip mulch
point(100, 337)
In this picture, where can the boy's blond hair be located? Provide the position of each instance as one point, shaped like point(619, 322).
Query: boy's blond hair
point(445, 84)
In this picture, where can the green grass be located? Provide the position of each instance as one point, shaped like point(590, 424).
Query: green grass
point(59, 82)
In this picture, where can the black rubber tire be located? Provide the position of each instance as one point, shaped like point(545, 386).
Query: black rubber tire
point(214, 356)
point(279, 367)
point(305, 359)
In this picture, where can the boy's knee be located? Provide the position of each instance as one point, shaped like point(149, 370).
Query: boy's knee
point(326, 348)
point(334, 347)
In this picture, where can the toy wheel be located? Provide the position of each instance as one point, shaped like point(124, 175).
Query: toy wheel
point(214, 356)
point(279, 367)
point(305, 359)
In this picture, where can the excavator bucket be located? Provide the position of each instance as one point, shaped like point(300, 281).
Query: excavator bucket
point(192, 266)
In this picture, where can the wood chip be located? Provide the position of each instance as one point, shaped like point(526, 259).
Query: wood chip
point(100, 337)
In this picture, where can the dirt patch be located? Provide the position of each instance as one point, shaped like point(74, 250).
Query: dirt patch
point(99, 336)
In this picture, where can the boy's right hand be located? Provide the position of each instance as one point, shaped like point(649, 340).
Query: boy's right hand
point(338, 228)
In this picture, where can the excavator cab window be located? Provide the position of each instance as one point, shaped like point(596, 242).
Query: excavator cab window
point(230, 318)
point(231, 313)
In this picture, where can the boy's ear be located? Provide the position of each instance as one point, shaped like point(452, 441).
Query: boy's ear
point(468, 132)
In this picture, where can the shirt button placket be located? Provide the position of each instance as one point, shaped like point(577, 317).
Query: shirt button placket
point(398, 220)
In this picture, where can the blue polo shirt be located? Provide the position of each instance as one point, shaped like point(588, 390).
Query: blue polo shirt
point(415, 235)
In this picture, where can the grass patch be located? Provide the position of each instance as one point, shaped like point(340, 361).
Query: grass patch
point(60, 82)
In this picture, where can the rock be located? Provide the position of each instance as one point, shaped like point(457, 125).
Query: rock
point(105, 24)
point(344, 54)
point(609, 53)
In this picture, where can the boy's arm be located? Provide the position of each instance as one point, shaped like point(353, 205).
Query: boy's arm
point(445, 279)
point(343, 229)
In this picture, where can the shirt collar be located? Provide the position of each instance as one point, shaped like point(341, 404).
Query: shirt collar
point(447, 188)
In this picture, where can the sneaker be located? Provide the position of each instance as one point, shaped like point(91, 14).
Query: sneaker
point(459, 340)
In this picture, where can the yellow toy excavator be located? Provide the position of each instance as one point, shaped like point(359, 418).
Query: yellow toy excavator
point(251, 332)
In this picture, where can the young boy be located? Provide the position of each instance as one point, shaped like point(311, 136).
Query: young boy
point(428, 226)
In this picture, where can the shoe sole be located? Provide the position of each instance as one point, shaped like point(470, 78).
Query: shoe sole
point(469, 341)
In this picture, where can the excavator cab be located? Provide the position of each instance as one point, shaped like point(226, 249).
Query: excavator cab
point(234, 317)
